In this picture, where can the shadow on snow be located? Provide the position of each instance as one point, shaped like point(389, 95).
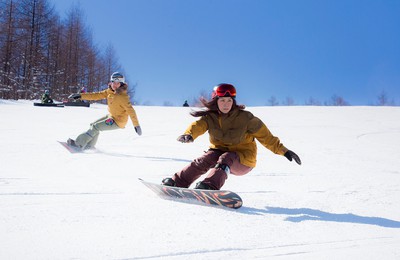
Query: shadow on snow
point(153, 158)
point(303, 214)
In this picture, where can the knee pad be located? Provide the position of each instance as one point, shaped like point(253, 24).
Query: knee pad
point(109, 121)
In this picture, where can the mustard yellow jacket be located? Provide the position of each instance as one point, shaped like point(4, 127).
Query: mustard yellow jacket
point(236, 132)
point(119, 105)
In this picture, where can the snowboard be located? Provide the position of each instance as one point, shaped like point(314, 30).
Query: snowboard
point(48, 104)
point(71, 149)
point(77, 104)
point(219, 198)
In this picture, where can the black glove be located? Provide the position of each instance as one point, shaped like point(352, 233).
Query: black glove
point(75, 96)
point(291, 155)
point(138, 130)
point(185, 139)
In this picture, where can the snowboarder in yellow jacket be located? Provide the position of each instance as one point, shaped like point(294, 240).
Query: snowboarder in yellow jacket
point(119, 107)
point(232, 132)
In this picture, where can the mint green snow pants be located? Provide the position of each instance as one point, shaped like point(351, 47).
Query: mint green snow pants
point(88, 139)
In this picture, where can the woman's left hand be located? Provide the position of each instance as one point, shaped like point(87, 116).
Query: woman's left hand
point(138, 130)
point(290, 155)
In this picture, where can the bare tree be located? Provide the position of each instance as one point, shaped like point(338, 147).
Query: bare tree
point(111, 60)
point(312, 102)
point(383, 99)
point(203, 94)
point(338, 101)
point(24, 41)
point(74, 45)
point(288, 102)
point(272, 101)
point(33, 24)
point(7, 35)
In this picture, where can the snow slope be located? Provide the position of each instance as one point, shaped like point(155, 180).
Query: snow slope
point(342, 203)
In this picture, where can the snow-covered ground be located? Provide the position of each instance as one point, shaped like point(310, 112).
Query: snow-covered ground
point(342, 203)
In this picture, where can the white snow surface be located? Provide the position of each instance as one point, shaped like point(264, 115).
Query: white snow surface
point(343, 202)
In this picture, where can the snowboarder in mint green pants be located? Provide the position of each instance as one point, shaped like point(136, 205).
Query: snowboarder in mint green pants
point(119, 107)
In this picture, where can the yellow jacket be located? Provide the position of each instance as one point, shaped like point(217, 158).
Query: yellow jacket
point(119, 105)
point(236, 132)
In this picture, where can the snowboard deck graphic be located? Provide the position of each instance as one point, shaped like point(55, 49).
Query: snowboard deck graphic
point(220, 198)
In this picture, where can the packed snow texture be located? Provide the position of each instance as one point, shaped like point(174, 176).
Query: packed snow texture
point(343, 202)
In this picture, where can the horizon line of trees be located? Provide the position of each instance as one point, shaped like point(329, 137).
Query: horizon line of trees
point(39, 51)
point(336, 100)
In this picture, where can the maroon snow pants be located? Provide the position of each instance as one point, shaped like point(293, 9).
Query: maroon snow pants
point(216, 176)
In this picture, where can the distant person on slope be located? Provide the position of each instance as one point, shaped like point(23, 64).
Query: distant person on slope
point(46, 99)
point(233, 149)
point(119, 107)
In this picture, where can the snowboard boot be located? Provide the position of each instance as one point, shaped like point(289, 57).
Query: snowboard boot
point(203, 186)
point(72, 143)
point(168, 182)
point(90, 148)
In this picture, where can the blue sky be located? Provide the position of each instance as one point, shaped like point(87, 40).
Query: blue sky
point(177, 49)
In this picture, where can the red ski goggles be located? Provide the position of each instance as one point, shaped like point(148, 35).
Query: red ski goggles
point(224, 90)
